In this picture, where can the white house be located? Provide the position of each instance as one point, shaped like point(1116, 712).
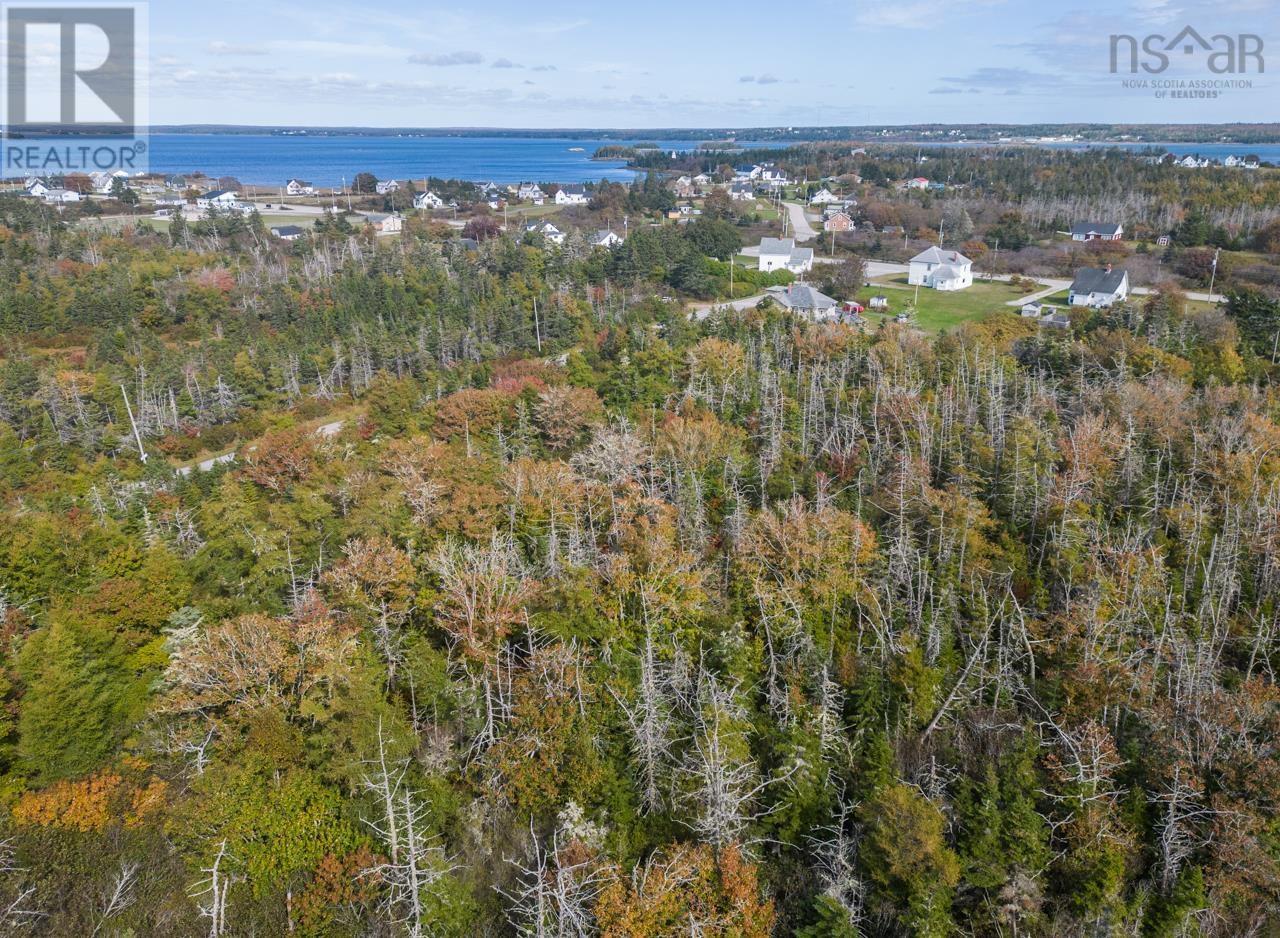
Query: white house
point(746, 172)
point(571, 195)
point(425, 201)
point(218, 198)
point(387, 186)
point(605, 238)
point(823, 197)
point(804, 299)
point(170, 199)
point(772, 176)
point(918, 183)
point(940, 270)
point(1097, 231)
point(782, 254)
point(102, 182)
point(385, 224)
point(531, 192)
point(61, 196)
point(1099, 286)
point(298, 187)
point(550, 233)
point(37, 188)
point(742, 192)
point(702, 179)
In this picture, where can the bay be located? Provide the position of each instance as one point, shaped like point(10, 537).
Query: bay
point(273, 159)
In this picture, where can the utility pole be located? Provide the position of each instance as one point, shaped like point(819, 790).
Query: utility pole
point(142, 453)
point(1214, 275)
point(537, 327)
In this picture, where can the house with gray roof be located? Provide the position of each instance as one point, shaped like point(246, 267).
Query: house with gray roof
point(940, 270)
point(1099, 286)
point(805, 300)
point(1096, 231)
point(782, 254)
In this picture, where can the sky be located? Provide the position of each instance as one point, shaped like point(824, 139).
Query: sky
point(751, 63)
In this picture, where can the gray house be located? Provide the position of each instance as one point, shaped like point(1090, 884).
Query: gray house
point(1099, 286)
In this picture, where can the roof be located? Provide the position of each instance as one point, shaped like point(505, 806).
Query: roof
point(1098, 280)
point(946, 272)
point(802, 296)
point(217, 193)
point(603, 235)
point(376, 218)
point(801, 255)
point(777, 246)
point(1093, 227)
point(935, 255)
point(286, 230)
point(574, 189)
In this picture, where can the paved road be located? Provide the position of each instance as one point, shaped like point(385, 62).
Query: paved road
point(800, 227)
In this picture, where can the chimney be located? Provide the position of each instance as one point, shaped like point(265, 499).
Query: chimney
point(1108, 268)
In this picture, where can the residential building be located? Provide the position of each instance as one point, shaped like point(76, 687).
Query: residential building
point(384, 223)
point(427, 201)
point(918, 183)
point(1097, 231)
point(605, 238)
point(37, 188)
point(218, 198)
point(1099, 286)
point(571, 195)
point(61, 196)
point(823, 197)
point(940, 270)
point(387, 186)
point(839, 221)
point(743, 173)
point(804, 299)
point(297, 187)
point(170, 199)
point(782, 254)
point(531, 192)
point(550, 233)
point(288, 232)
point(742, 192)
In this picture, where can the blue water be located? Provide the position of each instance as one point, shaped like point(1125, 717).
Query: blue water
point(272, 160)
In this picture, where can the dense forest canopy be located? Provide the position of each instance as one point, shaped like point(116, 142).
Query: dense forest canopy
point(532, 605)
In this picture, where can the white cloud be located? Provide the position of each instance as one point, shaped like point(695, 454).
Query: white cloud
point(447, 58)
point(227, 48)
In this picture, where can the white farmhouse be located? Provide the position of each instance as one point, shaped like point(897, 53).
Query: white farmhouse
point(387, 186)
point(782, 254)
point(298, 187)
point(605, 238)
point(940, 270)
point(428, 200)
point(824, 197)
point(571, 195)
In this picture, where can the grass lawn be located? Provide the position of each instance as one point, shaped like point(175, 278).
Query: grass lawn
point(939, 310)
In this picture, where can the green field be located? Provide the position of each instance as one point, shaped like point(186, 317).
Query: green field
point(937, 310)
